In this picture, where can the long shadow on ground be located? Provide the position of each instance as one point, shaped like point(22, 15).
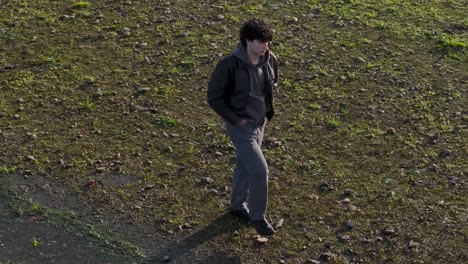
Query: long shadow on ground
point(190, 250)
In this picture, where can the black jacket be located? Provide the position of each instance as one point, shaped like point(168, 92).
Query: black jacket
point(228, 88)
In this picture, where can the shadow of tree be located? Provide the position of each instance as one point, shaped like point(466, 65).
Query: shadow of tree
point(183, 251)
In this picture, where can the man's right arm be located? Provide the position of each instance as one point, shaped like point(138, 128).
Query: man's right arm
point(218, 87)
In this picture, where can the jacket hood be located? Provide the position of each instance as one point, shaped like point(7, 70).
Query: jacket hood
point(241, 53)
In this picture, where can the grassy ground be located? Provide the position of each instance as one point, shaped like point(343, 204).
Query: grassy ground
point(106, 138)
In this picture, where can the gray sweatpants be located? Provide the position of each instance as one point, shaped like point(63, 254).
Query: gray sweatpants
point(250, 179)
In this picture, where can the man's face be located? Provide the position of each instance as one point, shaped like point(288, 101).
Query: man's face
point(257, 47)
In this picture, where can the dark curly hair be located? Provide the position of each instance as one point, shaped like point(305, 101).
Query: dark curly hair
point(256, 29)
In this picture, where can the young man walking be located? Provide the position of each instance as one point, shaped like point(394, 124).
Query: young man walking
point(241, 91)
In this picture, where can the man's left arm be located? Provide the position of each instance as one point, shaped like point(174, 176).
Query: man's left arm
point(274, 65)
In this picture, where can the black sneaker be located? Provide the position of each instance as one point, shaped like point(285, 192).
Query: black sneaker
point(263, 227)
point(240, 213)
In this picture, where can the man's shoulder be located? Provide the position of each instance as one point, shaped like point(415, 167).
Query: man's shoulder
point(273, 57)
point(228, 60)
